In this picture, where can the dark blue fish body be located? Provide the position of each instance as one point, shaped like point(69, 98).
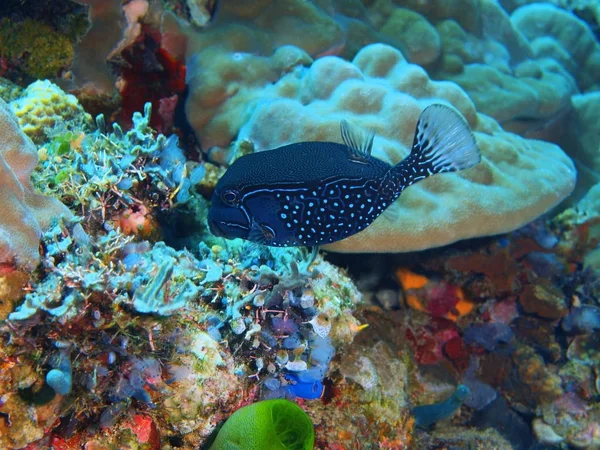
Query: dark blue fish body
point(315, 193)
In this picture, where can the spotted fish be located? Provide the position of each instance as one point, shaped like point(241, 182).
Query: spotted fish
point(315, 193)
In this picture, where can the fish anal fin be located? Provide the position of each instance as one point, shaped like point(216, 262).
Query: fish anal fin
point(392, 213)
point(359, 141)
point(314, 251)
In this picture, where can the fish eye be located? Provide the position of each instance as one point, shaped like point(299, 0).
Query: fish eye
point(230, 197)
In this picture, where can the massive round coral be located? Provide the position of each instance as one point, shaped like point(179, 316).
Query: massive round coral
point(517, 180)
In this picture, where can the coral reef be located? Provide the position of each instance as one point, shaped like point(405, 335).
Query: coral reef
point(147, 172)
point(159, 328)
point(427, 415)
point(9, 91)
point(583, 135)
point(510, 74)
point(554, 33)
point(126, 324)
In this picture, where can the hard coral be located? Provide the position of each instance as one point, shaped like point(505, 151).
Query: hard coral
point(557, 34)
point(43, 109)
point(381, 90)
point(26, 213)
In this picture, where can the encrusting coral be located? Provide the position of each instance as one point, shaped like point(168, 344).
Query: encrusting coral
point(25, 213)
point(43, 50)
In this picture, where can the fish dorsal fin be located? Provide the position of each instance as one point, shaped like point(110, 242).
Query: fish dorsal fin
point(359, 141)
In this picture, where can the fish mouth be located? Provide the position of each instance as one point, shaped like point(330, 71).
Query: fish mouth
point(214, 228)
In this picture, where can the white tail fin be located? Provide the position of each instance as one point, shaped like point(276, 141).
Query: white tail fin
point(443, 141)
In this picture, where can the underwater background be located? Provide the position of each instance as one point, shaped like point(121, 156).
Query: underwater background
point(466, 316)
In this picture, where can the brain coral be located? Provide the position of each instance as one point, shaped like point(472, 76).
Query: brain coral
point(24, 212)
point(517, 180)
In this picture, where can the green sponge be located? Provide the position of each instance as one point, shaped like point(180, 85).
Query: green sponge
point(267, 425)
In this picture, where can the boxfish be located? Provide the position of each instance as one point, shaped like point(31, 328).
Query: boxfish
point(315, 193)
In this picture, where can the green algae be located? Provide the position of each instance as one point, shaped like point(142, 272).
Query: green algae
point(273, 424)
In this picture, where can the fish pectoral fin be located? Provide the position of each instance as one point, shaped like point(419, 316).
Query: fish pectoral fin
point(260, 233)
point(359, 141)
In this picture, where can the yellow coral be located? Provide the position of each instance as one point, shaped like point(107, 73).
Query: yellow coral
point(44, 106)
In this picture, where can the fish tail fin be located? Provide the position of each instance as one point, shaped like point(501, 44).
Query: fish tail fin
point(443, 143)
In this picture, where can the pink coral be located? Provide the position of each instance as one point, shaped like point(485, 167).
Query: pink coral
point(25, 213)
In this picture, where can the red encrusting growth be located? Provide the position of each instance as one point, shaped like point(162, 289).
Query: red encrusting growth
point(150, 74)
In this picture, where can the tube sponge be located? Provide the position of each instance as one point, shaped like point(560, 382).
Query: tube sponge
point(267, 425)
point(61, 377)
